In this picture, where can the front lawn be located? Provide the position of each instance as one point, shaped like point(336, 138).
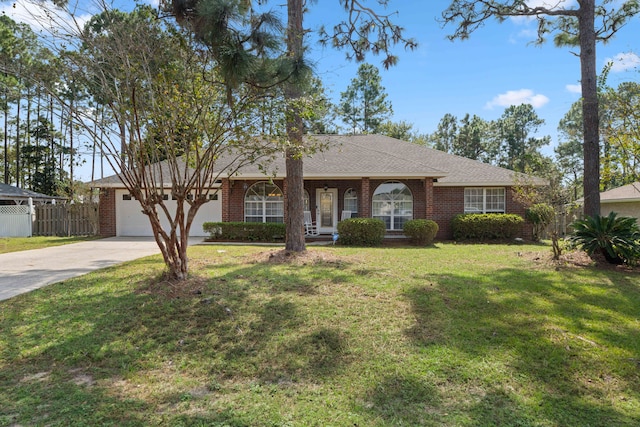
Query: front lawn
point(15, 244)
point(453, 335)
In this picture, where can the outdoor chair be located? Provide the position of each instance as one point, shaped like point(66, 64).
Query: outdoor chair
point(310, 227)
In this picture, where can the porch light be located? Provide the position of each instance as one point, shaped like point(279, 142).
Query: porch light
point(326, 187)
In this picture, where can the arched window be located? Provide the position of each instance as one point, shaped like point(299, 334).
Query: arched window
point(351, 202)
point(306, 201)
point(392, 202)
point(264, 202)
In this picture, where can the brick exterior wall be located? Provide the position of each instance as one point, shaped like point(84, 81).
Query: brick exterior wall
point(428, 192)
point(226, 197)
point(233, 193)
point(440, 204)
point(364, 198)
point(449, 201)
point(107, 212)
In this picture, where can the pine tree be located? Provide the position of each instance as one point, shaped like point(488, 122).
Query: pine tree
point(364, 105)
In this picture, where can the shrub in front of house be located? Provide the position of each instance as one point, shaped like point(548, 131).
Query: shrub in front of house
point(486, 226)
point(540, 215)
point(361, 231)
point(616, 238)
point(245, 231)
point(420, 231)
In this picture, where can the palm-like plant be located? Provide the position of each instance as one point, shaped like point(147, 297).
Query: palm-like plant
point(617, 238)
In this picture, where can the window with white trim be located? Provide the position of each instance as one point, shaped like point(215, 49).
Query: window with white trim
point(484, 200)
point(392, 202)
point(306, 203)
point(351, 202)
point(264, 202)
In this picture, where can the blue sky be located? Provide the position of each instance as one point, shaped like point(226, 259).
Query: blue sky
point(497, 67)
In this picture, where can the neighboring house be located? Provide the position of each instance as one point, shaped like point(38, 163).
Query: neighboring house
point(367, 175)
point(16, 210)
point(10, 195)
point(624, 200)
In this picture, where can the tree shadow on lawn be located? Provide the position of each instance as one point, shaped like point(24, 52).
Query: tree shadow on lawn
point(95, 349)
point(546, 341)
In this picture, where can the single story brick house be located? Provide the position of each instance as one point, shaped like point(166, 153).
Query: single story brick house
point(361, 175)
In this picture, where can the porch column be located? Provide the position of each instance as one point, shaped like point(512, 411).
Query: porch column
point(107, 212)
point(285, 197)
point(428, 188)
point(365, 204)
point(226, 199)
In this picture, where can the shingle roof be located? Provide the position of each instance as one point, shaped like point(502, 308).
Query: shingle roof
point(9, 192)
point(380, 157)
point(626, 193)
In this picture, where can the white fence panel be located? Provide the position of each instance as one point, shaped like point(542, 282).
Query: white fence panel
point(15, 221)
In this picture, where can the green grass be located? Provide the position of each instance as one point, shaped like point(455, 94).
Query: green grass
point(454, 335)
point(15, 244)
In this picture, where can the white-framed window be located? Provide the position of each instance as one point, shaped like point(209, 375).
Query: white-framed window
point(484, 200)
point(351, 202)
point(306, 201)
point(392, 202)
point(264, 202)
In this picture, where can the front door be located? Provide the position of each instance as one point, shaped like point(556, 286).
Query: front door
point(327, 210)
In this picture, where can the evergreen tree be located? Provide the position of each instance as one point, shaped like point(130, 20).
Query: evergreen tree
point(582, 24)
point(518, 149)
point(364, 105)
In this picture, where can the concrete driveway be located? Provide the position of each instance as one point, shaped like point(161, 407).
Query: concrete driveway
point(25, 271)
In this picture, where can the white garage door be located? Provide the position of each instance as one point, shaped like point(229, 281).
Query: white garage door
point(130, 221)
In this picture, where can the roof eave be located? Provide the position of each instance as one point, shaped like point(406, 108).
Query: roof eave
point(621, 200)
point(346, 176)
point(482, 184)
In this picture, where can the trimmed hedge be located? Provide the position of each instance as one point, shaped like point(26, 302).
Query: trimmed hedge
point(420, 231)
point(486, 226)
point(245, 231)
point(361, 231)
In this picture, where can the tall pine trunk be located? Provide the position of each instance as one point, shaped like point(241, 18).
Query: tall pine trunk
point(6, 135)
point(294, 197)
point(18, 171)
point(591, 124)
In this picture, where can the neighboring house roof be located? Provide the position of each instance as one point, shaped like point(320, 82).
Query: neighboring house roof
point(9, 192)
point(379, 157)
point(626, 193)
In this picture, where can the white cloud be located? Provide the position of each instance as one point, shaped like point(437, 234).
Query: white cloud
point(517, 97)
point(552, 4)
point(35, 15)
point(574, 89)
point(624, 62)
point(548, 4)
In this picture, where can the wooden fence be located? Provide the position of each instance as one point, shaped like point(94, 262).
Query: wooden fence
point(79, 219)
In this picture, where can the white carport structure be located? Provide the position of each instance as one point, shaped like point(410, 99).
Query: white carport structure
point(16, 210)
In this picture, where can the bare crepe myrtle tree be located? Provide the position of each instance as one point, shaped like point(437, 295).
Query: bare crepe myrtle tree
point(170, 131)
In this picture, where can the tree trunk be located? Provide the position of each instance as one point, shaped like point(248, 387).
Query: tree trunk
point(294, 198)
point(6, 136)
point(172, 247)
point(18, 168)
point(591, 144)
point(71, 156)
